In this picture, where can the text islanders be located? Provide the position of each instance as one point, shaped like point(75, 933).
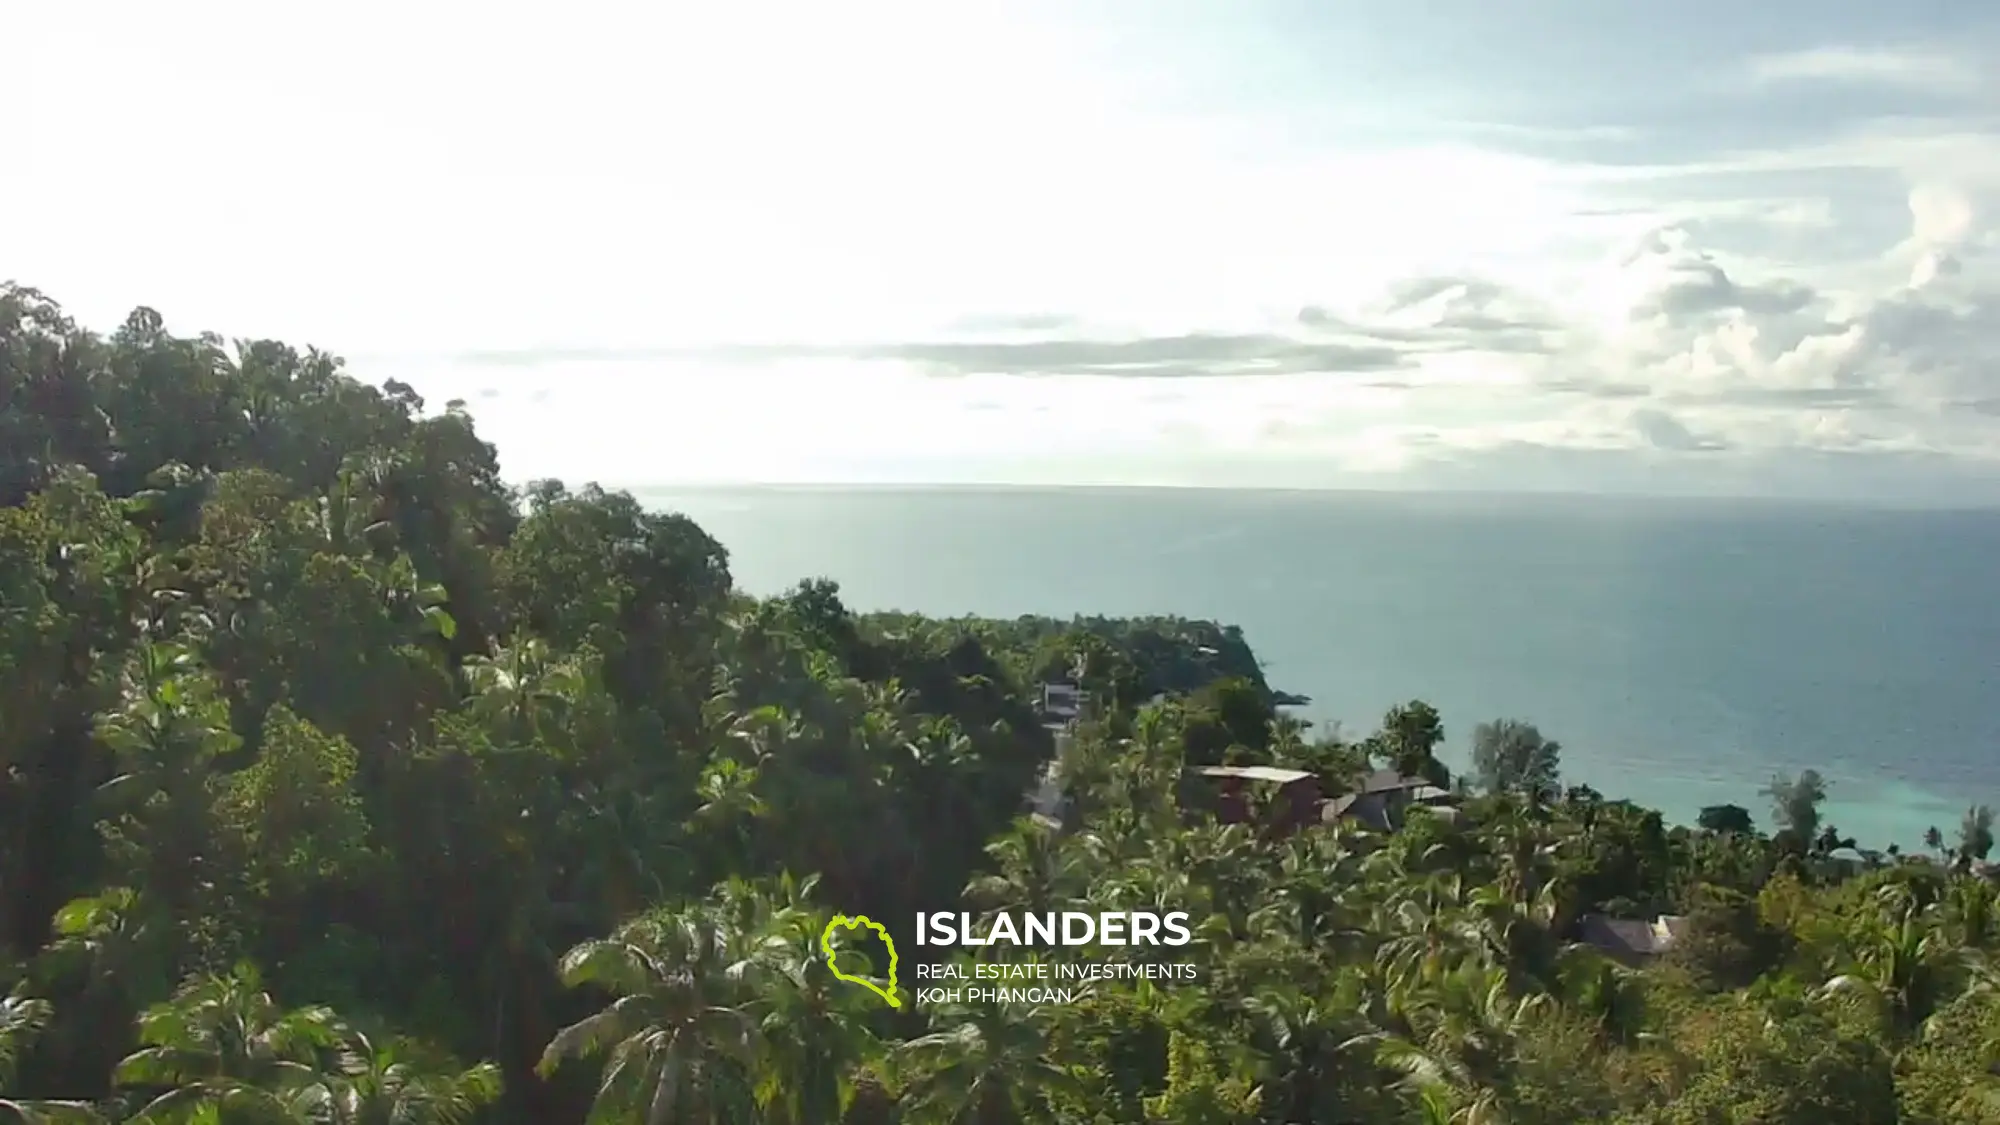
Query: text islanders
point(1069, 928)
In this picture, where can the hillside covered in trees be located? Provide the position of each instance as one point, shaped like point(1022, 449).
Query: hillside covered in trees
point(1128, 661)
point(341, 783)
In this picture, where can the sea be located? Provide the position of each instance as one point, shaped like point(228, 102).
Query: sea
point(1683, 652)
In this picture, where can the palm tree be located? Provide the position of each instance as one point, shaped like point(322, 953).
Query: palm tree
point(1519, 937)
point(1971, 910)
point(677, 1040)
point(1424, 933)
point(171, 723)
point(1526, 853)
point(523, 685)
point(994, 1064)
point(1903, 960)
point(1466, 1047)
point(1308, 892)
point(1608, 993)
point(1305, 1034)
point(222, 1047)
point(344, 518)
point(22, 1018)
point(1038, 871)
point(813, 1035)
point(112, 936)
point(392, 1083)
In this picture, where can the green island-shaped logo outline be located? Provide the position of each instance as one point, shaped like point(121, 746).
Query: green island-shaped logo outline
point(826, 945)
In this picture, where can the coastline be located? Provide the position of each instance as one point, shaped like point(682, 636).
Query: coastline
point(1685, 654)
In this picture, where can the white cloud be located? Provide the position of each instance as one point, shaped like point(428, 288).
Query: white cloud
point(980, 240)
point(1926, 70)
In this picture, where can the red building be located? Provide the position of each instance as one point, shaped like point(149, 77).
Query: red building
point(1293, 797)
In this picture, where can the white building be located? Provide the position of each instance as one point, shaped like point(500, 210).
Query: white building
point(1063, 702)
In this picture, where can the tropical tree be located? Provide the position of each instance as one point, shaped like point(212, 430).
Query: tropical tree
point(397, 1082)
point(22, 1019)
point(1511, 756)
point(222, 1048)
point(1975, 833)
point(990, 1063)
point(1795, 802)
point(678, 1039)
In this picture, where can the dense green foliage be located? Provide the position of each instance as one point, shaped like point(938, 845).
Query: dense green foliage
point(339, 783)
point(1125, 660)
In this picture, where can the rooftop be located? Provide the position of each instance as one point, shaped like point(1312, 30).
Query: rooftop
point(1631, 935)
point(1367, 812)
point(1256, 773)
point(1388, 780)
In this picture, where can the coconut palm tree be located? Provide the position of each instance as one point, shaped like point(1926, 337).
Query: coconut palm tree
point(1465, 1049)
point(1039, 871)
point(1304, 1034)
point(677, 1039)
point(1903, 960)
point(1309, 899)
point(814, 1036)
point(1423, 929)
point(393, 1082)
point(22, 1019)
point(223, 1049)
point(1609, 994)
point(523, 685)
point(993, 1064)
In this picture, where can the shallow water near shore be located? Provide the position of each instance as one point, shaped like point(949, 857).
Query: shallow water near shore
point(1681, 651)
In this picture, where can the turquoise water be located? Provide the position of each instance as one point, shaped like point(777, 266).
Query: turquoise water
point(1681, 651)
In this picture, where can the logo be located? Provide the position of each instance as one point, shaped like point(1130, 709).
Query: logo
point(1143, 928)
point(826, 946)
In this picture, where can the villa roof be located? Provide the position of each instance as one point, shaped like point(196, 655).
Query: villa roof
point(1363, 807)
point(1388, 781)
point(1634, 936)
point(1256, 773)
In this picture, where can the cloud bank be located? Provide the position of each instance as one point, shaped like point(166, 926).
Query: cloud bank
point(1380, 246)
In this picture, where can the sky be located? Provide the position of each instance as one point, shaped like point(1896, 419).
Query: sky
point(1693, 248)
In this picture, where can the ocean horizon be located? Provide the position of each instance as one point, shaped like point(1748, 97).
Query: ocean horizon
point(1682, 650)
